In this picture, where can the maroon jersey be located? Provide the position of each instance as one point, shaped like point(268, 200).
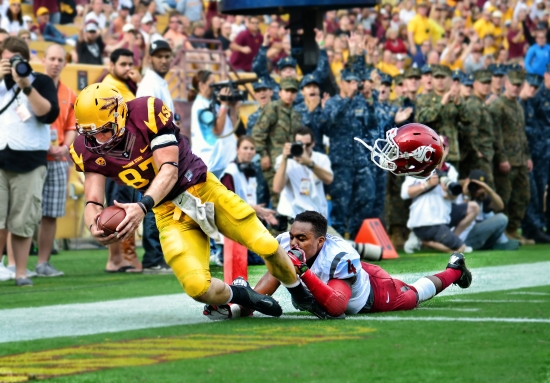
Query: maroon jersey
point(149, 126)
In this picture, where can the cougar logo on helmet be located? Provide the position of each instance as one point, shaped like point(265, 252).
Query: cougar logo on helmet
point(423, 153)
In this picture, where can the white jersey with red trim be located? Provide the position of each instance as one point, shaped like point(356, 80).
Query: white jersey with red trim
point(338, 260)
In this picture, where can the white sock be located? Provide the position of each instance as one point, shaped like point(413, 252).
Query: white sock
point(292, 284)
point(425, 289)
point(230, 294)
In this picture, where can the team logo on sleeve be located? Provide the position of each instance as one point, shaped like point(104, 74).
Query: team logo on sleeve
point(101, 161)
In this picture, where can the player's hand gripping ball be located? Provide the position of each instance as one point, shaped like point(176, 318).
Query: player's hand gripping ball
point(110, 218)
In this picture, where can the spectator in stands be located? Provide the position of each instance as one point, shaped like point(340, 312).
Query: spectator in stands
point(421, 57)
point(12, 21)
point(174, 33)
point(474, 61)
point(154, 85)
point(407, 12)
point(312, 110)
point(224, 38)
point(300, 179)
point(484, 26)
point(132, 40)
point(466, 85)
point(394, 44)
point(538, 55)
point(53, 9)
point(419, 28)
point(344, 26)
point(427, 79)
point(48, 30)
point(24, 142)
point(122, 74)
point(148, 30)
point(246, 45)
point(97, 14)
point(62, 135)
point(275, 126)
point(212, 124)
point(263, 93)
point(192, 9)
point(30, 27)
point(197, 32)
point(237, 25)
point(67, 12)
point(432, 213)
point(90, 45)
point(214, 32)
point(120, 21)
point(486, 232)
point(244, 178)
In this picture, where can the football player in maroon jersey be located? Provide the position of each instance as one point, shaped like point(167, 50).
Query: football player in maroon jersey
point(137, 144)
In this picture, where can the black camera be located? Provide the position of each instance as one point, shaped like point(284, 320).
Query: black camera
point(453, 187)
point(236, 95)
point(296, 149)
point(21, 66)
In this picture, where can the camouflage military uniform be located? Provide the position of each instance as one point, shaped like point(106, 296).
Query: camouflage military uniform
point(252, 119)
point(274, 128)
point(476, 136)
point(542, 111)
point(441, 118)
point(539, 146)
point(397, 209)
point(259, 66)
point(512, 146)
point(353, 187)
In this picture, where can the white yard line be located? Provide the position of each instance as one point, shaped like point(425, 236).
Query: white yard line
point(449, 319)
point(178, 309)
point(526, 293)
point(498, 300)
point(446, 309)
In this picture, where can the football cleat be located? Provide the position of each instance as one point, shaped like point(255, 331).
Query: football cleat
point(314, 308)
point(218, 312)
point(458, 262)
point(259, 302)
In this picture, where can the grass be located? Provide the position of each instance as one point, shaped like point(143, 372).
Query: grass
point(291, 348)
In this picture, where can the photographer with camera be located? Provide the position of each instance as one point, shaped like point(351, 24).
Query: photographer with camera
point(486, 232)
point(300, 176)
point(433, 213)
point(212, 133)
point(28, 104)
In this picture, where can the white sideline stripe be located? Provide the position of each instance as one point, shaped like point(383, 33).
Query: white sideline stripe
point(449, 319)
point(498, 300)
point(446, 309)
point(178, 309)
point(526, 293)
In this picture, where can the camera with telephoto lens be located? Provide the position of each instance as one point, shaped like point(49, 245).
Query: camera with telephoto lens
point(296, 149)
point(454, 188)
point(21, 66)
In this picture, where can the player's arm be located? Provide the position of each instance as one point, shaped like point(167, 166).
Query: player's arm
point(94, 193)
point(166, 160)
point(332, 296)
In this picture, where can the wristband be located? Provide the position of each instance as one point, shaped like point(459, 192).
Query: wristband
point(148, 202)
point(142, 206)
point(312, 165)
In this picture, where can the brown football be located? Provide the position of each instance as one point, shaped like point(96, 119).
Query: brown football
point(110, 218)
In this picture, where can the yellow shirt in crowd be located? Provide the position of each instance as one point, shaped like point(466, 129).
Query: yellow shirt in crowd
point(127, 95)
point(484, 28)
point(420, 27)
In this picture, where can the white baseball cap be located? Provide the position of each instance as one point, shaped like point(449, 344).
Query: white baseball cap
point(147, 19)
point(128, 28)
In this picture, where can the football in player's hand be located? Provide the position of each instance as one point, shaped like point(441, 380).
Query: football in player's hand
point(110, 218)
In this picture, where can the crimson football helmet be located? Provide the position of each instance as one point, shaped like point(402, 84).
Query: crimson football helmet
point(411, 150)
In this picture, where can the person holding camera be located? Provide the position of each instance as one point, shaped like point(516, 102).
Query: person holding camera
point(433, 213)
point(486, 232)
point(28, 104)
point(212, 133)
point(274, 128)
point(300, 176)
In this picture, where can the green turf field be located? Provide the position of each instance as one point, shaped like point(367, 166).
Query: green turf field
point(90, 326)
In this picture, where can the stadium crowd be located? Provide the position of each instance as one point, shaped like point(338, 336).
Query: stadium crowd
point(477, 72)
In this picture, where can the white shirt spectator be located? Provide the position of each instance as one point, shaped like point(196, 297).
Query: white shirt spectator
point(406, 16)
point(216, 152)
point(235, 30)
point(519, 6)
point(192, 9)
point(154, 85)
point(28, 135)
point(12, 27)
point(429, 208)
point(303, 189)
point(246, 188)
point(101, 19)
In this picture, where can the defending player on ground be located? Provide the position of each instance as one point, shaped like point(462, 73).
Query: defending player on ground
point(137, 144)
point(331, 269)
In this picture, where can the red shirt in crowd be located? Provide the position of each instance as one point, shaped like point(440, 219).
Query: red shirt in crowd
point(395, 46)
point(515, 50)
point(50, 4)
point(241, 61)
